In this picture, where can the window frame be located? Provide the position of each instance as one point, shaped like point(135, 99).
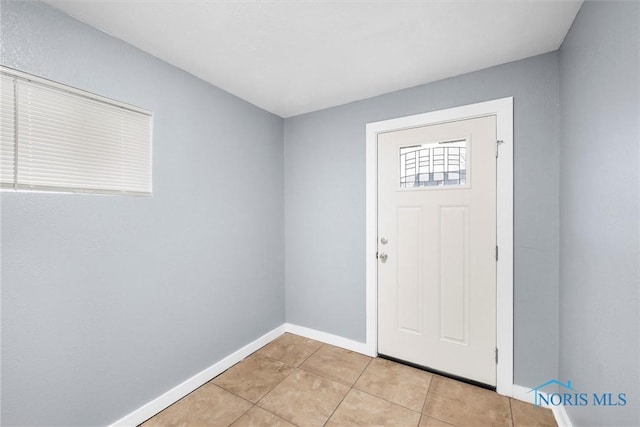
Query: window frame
point(137, 113)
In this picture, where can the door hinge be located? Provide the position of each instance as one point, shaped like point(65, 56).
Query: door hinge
point(496, 355)
point(377, 255)
point(496, 253)
point(498, 142)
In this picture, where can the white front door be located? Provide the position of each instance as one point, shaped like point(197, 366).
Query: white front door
point(437, 247)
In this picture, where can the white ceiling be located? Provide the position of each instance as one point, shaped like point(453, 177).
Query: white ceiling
point(293, 57)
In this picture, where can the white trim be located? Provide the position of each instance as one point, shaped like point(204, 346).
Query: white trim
point(178, 392)
point(523, 393)
point(561, 416)
point(327, 338)
point(559, 412)
point(150, 409)
point(503, 110)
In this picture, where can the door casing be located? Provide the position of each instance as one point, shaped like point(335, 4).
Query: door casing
point(503, 110)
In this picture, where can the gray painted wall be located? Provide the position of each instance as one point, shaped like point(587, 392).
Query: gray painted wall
point(109, 301)
point(325, 205)
point(599, 201)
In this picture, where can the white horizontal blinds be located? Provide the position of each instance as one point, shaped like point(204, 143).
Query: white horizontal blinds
point(7, 132)
point(69, 142)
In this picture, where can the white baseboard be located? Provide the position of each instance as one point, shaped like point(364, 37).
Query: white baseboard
point(181, 390)
point(559, 412)
point(178, 392)
point(522, 393)
point(338, 341)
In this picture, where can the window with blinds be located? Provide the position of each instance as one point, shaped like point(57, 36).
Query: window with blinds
point(57, 138)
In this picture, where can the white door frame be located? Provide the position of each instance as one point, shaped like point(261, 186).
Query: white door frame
point(503, 110)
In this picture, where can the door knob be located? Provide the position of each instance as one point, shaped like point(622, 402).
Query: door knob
point(383, 257)
point(384, 241)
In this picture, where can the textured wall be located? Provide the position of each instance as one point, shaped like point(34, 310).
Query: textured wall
point(599, 205)
point(325, 205)
point(109, 301)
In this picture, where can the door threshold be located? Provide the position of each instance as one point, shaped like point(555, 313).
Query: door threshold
point(437, 372)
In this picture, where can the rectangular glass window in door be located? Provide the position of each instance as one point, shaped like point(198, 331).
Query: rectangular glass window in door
point(434, 164)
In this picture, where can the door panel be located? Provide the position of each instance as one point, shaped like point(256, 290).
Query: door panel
point(454, 272)
point(437, 216)
point(409, 275)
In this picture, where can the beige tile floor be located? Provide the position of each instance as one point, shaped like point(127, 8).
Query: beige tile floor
point(295, 381)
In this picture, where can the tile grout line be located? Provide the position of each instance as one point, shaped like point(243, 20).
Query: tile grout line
point(255, 404)
point(384, 398)
point(273, 388)
point(424, 404)
point(277, 416)
point(295, 368)
point(387, 400)
point(423, 416)
point(513, 423)
point(241, 415)
point(347, 393)
point(191, 393)
point(242, 397)
point(314, 352)
point(439, 419)
point(236, 395)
